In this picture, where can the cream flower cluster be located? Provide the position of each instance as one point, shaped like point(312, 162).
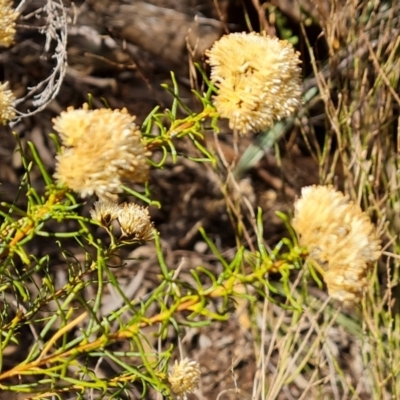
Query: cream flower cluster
point(339, 237)
point(184, 377)
point(133, 219)
point(8, 17)
point(258, 79)
point(7, 99)
point(101, 148)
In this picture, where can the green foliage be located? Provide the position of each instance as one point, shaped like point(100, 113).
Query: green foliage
point(52, 307)
point(70, 337)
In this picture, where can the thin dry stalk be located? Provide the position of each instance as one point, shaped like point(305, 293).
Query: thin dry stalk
point(56, 32)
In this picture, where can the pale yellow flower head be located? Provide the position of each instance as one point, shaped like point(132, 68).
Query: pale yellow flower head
point(8, 17)
point(340, 237)
point(104, 212)
point(135, 222)
point(184, 377)
point(258, 79)
point(7, 99)
point(101, 149)
point(72, 124)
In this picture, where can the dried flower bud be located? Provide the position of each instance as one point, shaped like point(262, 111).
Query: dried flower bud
point(258, 80)
point(135, 222)
point(103, 148)
point(184, 377)
point(340, 237)
point(104, 212)
point(7, 99)
point(8, 17)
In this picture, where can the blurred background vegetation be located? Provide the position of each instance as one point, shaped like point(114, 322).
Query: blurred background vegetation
point(83, 317)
